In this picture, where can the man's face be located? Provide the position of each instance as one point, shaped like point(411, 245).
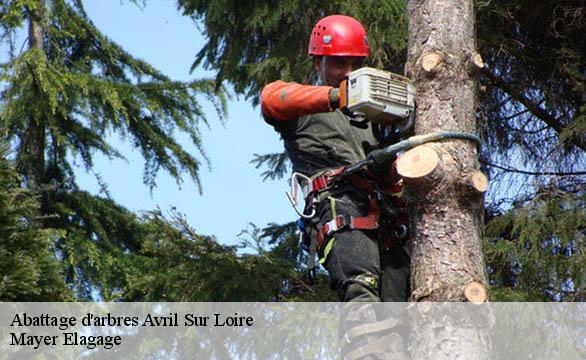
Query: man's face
point(334, 69)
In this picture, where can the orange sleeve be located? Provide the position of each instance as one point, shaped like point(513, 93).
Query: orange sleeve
point(286, 101)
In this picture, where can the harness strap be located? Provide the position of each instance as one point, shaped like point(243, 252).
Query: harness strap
point(322, 181)
point(369, 222)
point(311, 264)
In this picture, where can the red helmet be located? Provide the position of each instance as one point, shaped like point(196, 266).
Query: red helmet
point(338, 35)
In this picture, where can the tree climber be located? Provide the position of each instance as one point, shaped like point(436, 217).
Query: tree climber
point(366, 258)
point(320, 139)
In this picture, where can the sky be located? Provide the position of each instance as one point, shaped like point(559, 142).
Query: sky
point(234, 194)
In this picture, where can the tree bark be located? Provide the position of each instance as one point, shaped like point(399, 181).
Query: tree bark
point(33, 147)
point(443, 186)
point(31, 150)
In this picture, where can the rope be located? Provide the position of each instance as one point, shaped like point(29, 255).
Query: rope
point(379, 156)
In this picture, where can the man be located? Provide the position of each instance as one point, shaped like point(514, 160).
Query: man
point(320, 137)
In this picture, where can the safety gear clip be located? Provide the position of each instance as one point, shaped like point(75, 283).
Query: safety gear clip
point(298, 187)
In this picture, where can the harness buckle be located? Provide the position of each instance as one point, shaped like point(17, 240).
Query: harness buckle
point(323, 181)
point(337, 223)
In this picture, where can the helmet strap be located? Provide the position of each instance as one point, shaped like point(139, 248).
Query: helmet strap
point(321, 78)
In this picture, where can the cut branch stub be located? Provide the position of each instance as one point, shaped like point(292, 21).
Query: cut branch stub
point(476, 63)
point(475, 292)
point(420, 164)
point(478, 181)
point(477, 60)
point(431, 62)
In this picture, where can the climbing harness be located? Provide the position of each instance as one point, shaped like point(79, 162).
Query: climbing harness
point(368, 222)
point(312, 189)
point(323, 181)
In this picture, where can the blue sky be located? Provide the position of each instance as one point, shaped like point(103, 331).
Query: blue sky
point(233, 191)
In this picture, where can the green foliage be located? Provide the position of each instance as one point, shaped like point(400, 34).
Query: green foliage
point(253, 43)
point(505, 294)
point(198, 268)
point(29, 268)
point(12, 13)
point(534, 102)
point(277, 164)
point(286, 251)
point(535, 54)
point(82, 86)
point(60, 101)
point(98, 238)
point(537, 248)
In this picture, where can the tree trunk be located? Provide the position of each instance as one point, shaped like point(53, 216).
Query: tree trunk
point(33, 147)
point(443, 186)
point(31, 152)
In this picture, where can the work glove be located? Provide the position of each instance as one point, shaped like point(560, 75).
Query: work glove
point(338, 97)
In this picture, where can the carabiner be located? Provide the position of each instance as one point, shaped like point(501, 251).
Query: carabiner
point(299, 212)
point(296, 181)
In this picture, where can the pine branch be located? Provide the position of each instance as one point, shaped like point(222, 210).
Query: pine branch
point(527, 132)
point(519, 113)
point(535, 173)
point(532, 107)
point(276, 163)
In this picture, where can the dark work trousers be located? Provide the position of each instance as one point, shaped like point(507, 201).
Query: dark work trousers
point(358, 270)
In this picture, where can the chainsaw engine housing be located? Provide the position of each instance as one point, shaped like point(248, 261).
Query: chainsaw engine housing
point(380, 96)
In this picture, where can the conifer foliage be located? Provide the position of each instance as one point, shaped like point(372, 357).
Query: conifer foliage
point(80, 86)
point(63, 93)
point(198, 268)
point(68, 88)
point(536, 252)
point(29, 268)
